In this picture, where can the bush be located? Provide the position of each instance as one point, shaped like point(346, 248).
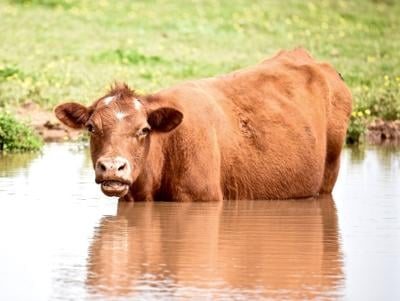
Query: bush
point(381, 101)
point(17, 136)
point(357, 127)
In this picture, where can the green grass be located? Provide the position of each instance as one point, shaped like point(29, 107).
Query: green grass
point(53, 50)
point(17, 136)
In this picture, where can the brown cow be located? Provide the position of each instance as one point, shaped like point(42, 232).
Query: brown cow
point(272, 131)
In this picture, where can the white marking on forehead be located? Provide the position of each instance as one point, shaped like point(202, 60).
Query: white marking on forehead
point(108, 99)
point(120, 115)
point(137, 104)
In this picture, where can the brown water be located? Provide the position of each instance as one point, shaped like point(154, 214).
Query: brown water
point(61, 239)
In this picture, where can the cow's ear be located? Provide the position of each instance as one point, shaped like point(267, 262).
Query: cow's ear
point(72, 114)
point(164, 119)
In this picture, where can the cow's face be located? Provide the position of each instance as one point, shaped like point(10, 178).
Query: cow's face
point(120, 128)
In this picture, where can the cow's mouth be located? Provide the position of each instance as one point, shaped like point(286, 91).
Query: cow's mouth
point(114, 188)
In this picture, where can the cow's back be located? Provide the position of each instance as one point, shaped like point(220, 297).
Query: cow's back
point(268, 124)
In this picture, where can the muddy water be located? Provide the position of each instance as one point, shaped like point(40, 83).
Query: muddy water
point(61, 239)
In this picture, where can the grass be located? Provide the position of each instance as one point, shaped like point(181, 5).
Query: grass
point(16, 136)
point(53, 50)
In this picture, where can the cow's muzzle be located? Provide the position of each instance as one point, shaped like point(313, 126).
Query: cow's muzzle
point(114, 188)
point(113, 174)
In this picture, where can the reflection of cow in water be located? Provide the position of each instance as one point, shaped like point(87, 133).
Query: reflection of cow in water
point(271, 131)
point(258, 248)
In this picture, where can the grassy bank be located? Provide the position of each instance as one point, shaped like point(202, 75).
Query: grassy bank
point(17, 136)
point(53, 50)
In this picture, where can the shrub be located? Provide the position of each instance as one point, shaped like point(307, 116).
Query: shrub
point(17, 136)
point(381, 101)
point(357, 126)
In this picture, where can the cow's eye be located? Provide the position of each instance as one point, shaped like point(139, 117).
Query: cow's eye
point(90, 128)
point(145, 131)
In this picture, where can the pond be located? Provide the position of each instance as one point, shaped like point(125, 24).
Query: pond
point(62, 239)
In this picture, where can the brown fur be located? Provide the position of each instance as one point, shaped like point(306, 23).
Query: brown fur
point(272, 131)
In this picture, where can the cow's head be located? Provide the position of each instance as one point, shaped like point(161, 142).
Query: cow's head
point(120, 125)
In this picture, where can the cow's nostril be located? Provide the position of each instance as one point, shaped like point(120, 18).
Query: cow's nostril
point(122, 167)
point(103, 167)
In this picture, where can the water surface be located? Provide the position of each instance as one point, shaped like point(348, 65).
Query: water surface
point(61, 239)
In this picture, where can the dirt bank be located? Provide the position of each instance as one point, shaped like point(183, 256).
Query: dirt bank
point(380, 131)
point(46, 124)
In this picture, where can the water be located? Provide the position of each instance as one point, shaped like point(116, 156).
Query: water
point(61, 239)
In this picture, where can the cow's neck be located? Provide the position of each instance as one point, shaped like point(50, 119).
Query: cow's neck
point(149, 180)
